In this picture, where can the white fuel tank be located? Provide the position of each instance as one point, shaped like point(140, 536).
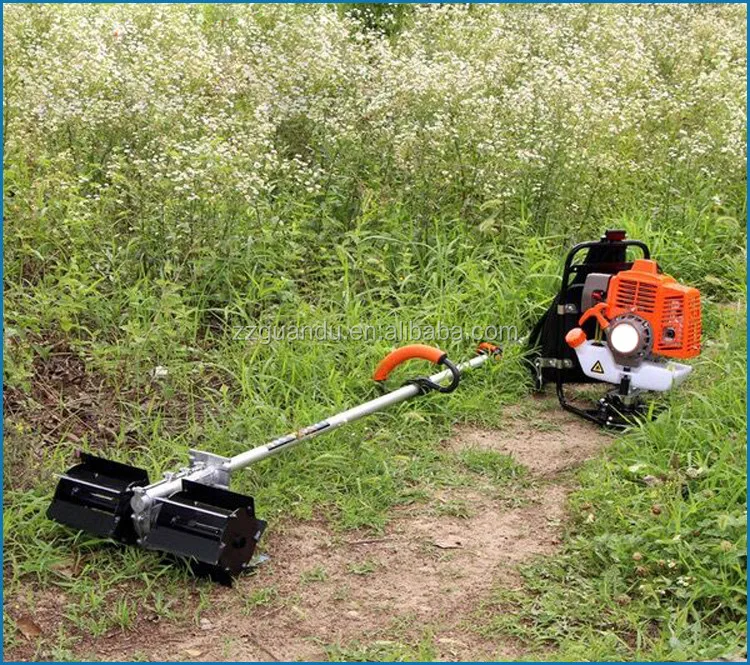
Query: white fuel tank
point(598, 362)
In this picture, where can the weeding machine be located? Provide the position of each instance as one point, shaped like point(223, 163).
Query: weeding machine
point(616, 319)
point(191, 512)
point(619, 321)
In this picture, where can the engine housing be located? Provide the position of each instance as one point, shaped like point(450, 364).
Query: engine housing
point(672, 310)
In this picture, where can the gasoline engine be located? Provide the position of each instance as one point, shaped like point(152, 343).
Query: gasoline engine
point(618, 320)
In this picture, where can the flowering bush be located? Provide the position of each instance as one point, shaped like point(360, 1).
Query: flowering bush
point(184, 123)
point(209, 144)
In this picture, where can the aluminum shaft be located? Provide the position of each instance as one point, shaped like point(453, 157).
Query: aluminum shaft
point(168, 486)
point(350, 415)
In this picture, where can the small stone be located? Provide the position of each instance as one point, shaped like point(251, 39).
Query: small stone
point(651, 480)
point(159, 372)
point(447, 543)
point(205, 624)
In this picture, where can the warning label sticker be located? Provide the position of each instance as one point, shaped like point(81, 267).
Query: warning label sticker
point(597, 368)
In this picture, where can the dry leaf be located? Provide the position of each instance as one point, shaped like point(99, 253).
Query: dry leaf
point(28, 627)
point(68, 568)
point(192, 653)
point(450, 640)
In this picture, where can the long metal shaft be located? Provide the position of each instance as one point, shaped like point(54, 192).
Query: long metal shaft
point(350, 415)
point(168, 486)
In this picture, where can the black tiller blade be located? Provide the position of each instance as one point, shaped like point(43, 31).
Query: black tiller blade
point(94, 496)
point(212, 526)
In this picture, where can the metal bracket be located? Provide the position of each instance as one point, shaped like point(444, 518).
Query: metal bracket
point(630, 400)
point(218, 463)
point(542, 363)
point(557, 363)
point(204, 467)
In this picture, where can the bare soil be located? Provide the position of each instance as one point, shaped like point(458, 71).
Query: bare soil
point(428, 572)
point(68, 401)
point(546, 439)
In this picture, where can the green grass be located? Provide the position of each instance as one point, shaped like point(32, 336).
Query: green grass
point(422, 650)
point(491, 464)
point(136, 237)
point(358, 474)
point(259, 598)
point(454, 508)
point(653, 569)
point(365, 567)
point(317, 574)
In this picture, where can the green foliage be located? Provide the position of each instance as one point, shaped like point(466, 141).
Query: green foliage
point(422, 651)
point(491, 463)
point(317, 574)
point(655, 564)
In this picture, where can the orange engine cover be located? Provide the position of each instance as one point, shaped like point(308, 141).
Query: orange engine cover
point(672, 310)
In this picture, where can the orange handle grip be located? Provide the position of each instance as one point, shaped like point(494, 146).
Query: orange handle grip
point(395, 358)
point(597, 311)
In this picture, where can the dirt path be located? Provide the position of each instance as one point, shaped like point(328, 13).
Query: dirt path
point(429, 571)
